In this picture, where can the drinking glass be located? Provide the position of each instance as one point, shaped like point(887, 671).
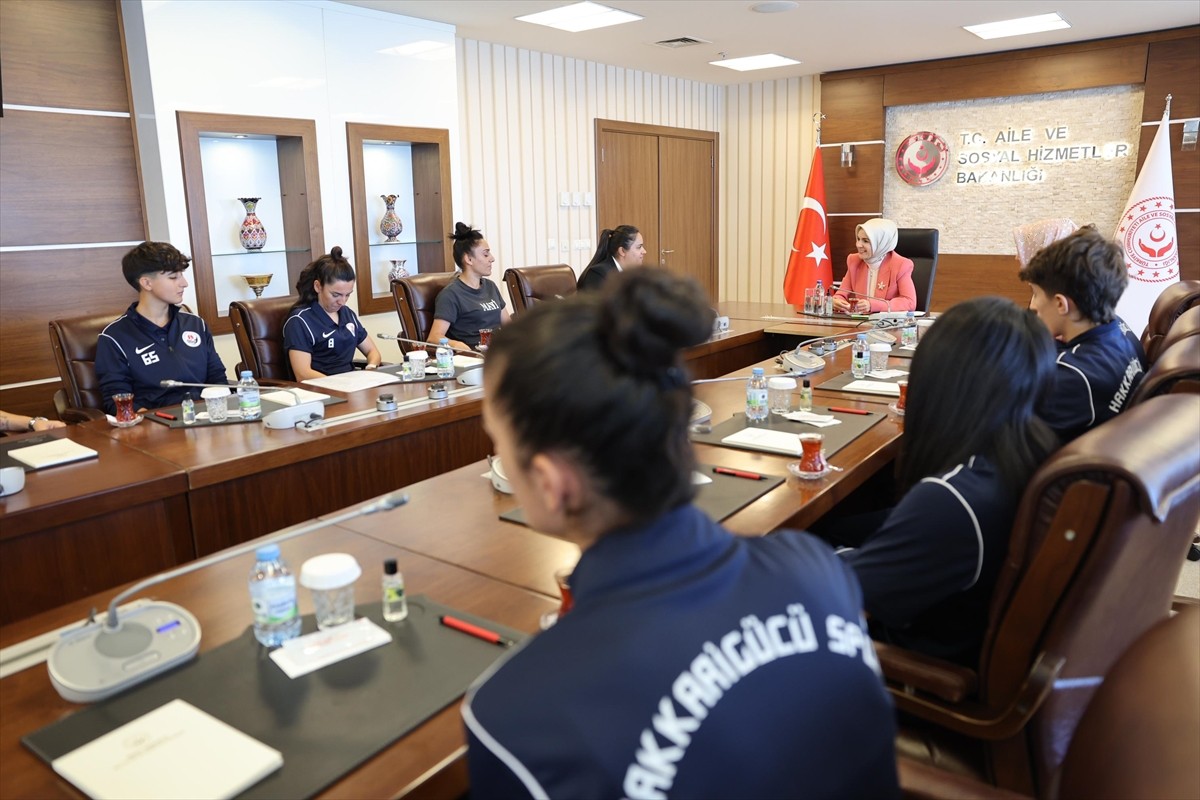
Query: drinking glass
point(563, 578)
point(485, 338)
point(809, 294)
point(903, 384)
point(124, 403)
point(812, 458)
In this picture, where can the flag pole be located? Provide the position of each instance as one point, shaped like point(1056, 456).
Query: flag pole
point(818, 116)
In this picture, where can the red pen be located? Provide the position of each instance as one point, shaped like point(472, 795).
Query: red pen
point(737, 473)
point(849, 410)
point(474, 630)
point(164, 415)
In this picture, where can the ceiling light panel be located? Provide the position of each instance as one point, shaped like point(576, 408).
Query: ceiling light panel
point(1018, 27)
point(747, 63)
point(580, 17)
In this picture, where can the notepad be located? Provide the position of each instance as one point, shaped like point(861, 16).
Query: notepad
point(53, 453)
point(289, 397)
point(765, 439)
point(873, 387)
point(174, 751)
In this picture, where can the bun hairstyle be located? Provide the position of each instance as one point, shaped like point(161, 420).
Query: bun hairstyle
point(975, 381)
point(465, 238)
point(600, 378)
point(612, 240)
point(327, 269)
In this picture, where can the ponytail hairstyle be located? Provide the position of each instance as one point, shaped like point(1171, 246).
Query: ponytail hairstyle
point(327, 269)
point(975, 381)
point(613, 240)
point(599, 378)
point(465, 238)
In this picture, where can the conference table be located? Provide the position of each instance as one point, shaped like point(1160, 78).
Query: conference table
point(452, 546)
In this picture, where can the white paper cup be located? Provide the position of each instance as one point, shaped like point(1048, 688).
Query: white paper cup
point(331, 579)
point(216, 403)
point(879, 356)
point(779, 394)
point(12, 480)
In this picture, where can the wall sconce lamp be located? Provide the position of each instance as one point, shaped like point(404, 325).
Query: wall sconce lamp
point(847, 155)
point(1191, 129)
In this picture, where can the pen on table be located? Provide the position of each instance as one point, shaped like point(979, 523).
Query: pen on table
point(737, 473)
point(849, 410)
point(474, 630)
point(164, 415)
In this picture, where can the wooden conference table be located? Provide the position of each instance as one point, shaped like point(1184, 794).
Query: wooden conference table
point(451, 546)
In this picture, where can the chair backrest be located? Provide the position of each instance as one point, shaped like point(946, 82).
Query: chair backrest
point(74, 342)
point(258, 329)
point(530, 285)
point(1177, 369)
point(1187, 325)
point(920, 245)
point(1174, 300)
point(1097, 545)
point(415, 297)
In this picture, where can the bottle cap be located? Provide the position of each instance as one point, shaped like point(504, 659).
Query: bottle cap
point(443, 340)
point(807, 383)
point(247, 374)
point(187, 395)
point(757, 371)
point(268, 552)
point(389, 567)
point(862, 337)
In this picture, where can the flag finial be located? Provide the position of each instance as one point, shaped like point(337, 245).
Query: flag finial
point(817, 117)
point(1167, 112)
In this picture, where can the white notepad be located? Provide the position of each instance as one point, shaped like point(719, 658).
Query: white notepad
point(174, 752)
point(873, 387)
point(289, 397)
point(765, 439)
point(50, 454)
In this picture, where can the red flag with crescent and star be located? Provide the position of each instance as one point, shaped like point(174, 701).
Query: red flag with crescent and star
point(809, 260)
point(1146, 232)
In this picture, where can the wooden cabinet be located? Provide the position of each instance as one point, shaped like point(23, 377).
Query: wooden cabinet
point(225, 157)
point(414, 165)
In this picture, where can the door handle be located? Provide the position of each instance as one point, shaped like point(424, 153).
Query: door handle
point(662, 261)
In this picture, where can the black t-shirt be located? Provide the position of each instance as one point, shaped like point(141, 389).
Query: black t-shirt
point(468, 310)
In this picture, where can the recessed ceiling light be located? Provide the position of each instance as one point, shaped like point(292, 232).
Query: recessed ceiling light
point(747, 63)
point(240, 136)
point(1018, 27)
point(580, 17)
point(414, 48)
point(775, 6)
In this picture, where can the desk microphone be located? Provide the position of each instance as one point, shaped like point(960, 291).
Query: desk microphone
point(389, 338)
point(100, 660)
point(284, 418)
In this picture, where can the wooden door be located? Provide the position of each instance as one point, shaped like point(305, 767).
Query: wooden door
point(627, 186)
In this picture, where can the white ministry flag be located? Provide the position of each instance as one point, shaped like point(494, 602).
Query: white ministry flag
point(1146, 232)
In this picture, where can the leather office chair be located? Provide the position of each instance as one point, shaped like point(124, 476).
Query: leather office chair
point(74, 343)
point(1096, 549)
point(1138, 737)
point(1173, 301)
point(920, 245)
point(530, 285)
point(1187, 325)
point(1176, 370)
point(415, 297)
point(258, 329)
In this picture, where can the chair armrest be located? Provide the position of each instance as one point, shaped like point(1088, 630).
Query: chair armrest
point(920, 781)
point(71, 414)
point(950, 682)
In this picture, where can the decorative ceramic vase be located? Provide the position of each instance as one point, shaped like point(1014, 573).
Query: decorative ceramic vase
point(253, 234)
point(390, 226)
point(397, 271)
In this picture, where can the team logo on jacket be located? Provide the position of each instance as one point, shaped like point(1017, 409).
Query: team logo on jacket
point(191, 338)
point(1147, 232)
point(922, 158)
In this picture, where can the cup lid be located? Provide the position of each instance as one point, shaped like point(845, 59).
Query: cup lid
point(329, 571)
point(881, 347)
point(781, 383)
point(418, 355)
point(214, 391)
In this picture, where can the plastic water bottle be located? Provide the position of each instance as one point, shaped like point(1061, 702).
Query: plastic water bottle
point(860, 357)
point(248, 400)
point(819, 299)
point(273, 598)
point(395, 604)
point(757, 408)
point(908, 334)
point(445, 359)
point(188, 408)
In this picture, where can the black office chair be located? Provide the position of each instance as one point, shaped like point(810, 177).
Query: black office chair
point(920, 245)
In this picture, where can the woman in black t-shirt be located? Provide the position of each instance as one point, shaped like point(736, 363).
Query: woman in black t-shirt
point(471, 302)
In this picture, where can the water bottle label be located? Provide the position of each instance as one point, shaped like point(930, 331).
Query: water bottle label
point(393, 594)
point(274, 600)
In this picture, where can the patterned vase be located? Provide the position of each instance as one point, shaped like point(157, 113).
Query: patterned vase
point(397, 271)
point(390, 226)
point(253, 234)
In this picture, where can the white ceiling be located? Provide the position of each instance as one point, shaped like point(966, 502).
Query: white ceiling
point(825, 35)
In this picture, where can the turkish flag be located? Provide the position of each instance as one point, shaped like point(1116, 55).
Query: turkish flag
point(1147, 233)
point(809, 260)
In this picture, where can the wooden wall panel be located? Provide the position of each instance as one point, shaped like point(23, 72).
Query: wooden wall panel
point(1027, 72)
point(853, 109)
point(1188, 228)
point(857, 189)
point(37, 286)
point(1172, 68)
point(68, 179)
point(62, 54)
point(841, 240)
point(1185, 165)
point(960, 277)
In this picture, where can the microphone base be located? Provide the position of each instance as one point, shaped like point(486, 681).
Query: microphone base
point(290, 416)
point(94, 663)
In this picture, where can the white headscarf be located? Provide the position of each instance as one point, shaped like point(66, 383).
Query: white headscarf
point(883, 234)
point(1038, 235)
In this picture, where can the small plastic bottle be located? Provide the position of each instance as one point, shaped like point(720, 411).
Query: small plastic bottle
point(248, 396)
point(188, 408)
point(819, 299)
point(445, 359)
point(908, 334)
point(757, 407)
point(806, 395)
point(860, 357)
point(395, 602)
point(273, 598)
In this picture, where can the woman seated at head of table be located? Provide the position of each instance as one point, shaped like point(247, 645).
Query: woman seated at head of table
point(322, 333)
point(472, 301)
point(877, 277)
point(971, 442)
point(693, 663)
point(619, 249)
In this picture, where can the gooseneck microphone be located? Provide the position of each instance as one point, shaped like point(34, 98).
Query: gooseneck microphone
point(389, 338)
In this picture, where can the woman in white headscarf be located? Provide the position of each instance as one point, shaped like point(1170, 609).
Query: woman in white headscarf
point(877, 277)
point(1035, 236)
